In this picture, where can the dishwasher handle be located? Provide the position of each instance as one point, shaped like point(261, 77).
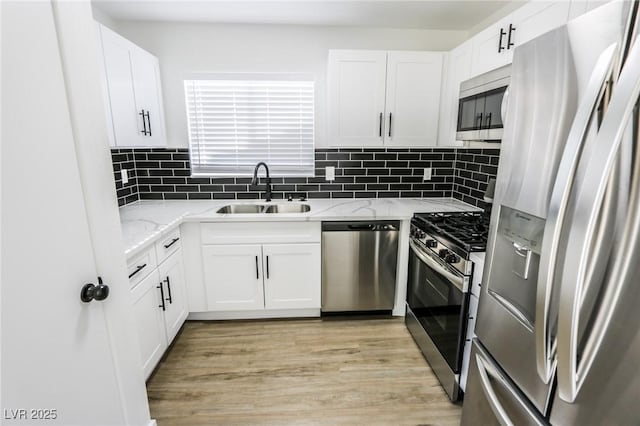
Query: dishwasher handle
point(362, 226)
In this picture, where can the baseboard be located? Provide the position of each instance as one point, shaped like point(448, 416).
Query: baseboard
point(238, 315)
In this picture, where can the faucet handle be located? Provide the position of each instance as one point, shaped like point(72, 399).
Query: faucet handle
point(289, 197)
point(303, 198)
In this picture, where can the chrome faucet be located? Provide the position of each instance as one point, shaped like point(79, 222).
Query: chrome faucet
point(254, 181)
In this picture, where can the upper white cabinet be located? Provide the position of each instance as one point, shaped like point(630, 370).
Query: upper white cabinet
point(133, 96)
point(456, 70)
point(493, 47)
point(383, 98)
point(357, 80)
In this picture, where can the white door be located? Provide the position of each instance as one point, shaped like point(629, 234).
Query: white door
point(458, 69)
point(292, 276)
point(486, 56)
point(149, 321)
point(145, 70)
point(356, 81)
point(414, 80)
point(175, 296)
point(57, 358)
point(126, 120)
point(233, 277)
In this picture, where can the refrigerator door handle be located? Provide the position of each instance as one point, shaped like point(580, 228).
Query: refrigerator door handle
point(545, 356)
point(494, 403)
point(585, 214)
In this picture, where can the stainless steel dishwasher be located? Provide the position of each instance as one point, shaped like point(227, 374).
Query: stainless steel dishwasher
point(359, 263)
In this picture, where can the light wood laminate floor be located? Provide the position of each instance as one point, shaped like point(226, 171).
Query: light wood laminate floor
point(299, 372)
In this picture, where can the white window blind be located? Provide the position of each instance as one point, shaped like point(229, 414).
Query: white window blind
point(234, 124)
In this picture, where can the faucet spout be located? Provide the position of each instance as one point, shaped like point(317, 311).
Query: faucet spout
point(254, 181)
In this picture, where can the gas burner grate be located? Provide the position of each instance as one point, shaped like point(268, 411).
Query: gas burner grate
point(469, 230)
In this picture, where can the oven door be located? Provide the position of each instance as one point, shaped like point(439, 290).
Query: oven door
point(438, 298)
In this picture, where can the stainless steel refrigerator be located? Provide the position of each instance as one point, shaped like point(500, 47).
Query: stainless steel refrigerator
point(558, 327)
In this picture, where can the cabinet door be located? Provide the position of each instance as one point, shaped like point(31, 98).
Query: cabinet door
point(175, 297)
point(356, 81)
point(485, 56)
point(146, 84)
point(292, 276)
point(233, 277)
point(414, 80)
point(536, 18)
point(458, 69)
point(579, 7)
point(149, 321)
point(121, 114)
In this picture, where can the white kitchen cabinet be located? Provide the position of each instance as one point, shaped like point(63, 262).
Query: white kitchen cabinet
point(457, 70)
point(490, 48)
point(536, 18)
point(159, 298)
point(292, 276)
point(493, 47)
point(412, 103)
point(240, 277)
point(233, 277)
point(579, 7)
point(357, 80)
point(149, 321)
point(381, 98)
point(175, 302)
point(133, 96)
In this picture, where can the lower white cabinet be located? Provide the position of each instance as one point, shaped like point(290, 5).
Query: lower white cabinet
point(233, 277)
point(149, 321)
point(240, 277)
point(292, 276)
point(175, 296)
point(160, 309)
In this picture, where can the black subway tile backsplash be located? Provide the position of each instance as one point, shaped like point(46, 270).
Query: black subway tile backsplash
point(162, 173)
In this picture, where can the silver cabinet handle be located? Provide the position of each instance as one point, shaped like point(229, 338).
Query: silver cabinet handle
point(558, 206)
point(585, 212)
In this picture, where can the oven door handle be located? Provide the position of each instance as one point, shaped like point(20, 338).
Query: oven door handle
point(436, 266)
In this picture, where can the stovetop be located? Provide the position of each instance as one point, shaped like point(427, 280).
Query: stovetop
point(467, 230)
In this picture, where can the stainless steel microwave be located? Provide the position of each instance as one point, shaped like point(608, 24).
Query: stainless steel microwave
point(481, 106)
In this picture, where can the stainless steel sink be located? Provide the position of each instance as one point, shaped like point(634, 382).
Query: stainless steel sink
point(288, 208)
point(241, 208)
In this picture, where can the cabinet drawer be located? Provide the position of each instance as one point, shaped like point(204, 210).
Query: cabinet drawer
point(140, 266)
point(260, 232)
point(168, 245)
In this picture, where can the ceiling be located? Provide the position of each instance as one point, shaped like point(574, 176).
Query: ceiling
point(425, 14)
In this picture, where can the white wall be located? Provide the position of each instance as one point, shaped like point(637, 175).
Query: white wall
point(184, 48)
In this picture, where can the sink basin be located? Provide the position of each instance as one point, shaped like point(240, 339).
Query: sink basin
point(288, 208)
point(241, 208)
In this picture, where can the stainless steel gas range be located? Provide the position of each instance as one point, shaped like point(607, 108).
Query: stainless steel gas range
point(439, 278)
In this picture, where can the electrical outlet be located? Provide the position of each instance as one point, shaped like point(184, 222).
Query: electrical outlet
point(124, 174)
point(330, 173)
point(427, 174)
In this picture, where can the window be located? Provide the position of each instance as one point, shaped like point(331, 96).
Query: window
point(234, 124)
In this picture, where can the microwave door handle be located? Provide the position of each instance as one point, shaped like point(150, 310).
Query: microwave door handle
point(504, 105)
point(487, 121)
point(557, 209)
point(584, 216)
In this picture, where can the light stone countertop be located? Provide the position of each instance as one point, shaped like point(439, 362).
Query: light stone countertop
point(143, 222)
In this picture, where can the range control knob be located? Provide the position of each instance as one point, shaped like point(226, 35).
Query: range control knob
point(431, 243)
point(421, 234)
point(451, 258)
point(443, 253)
